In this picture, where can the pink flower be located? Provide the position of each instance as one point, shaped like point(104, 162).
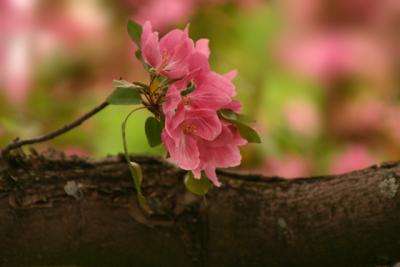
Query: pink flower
point(29, 34)
point(355, 157)
point(164, 13)
point(222, 152)
point(169, 56)
point(302, 117)
point(359, 117)
point(323, 57)
point(196, 138)
point(194, 135)
point(212, 91)
point(181, 135)
point(290, 166)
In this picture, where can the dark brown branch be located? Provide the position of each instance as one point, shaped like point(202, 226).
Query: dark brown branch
point(20, 143)
point(56, 210)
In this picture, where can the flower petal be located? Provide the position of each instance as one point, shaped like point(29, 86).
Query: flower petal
point(202, 47)
point(183, 150)
point(218, 83)
point(234, 105)
point(146, 32)
point(172, 99)
point(206, 123)
point(231, 75)
point(212, 176)
point(206, 97)
point(151, 51)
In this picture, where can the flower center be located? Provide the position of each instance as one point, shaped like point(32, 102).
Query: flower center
point(165, 58)
point(186, 100)
point(188, 128)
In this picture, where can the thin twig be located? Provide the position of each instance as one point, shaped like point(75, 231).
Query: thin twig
point(20, 143)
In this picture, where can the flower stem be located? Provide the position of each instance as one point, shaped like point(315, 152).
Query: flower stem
point(134, 168)
point(20, 143)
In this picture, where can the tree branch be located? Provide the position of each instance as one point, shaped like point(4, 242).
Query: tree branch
point(57, 210)
point(20, 143)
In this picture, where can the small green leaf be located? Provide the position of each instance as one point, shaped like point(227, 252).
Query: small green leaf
point(135, 31)
point(247, 132)
point(228, 114)
point(197, 186)
point(190, 88)
point(231, 115)
point(239, 121)
point(245, 118)
point(138, 55)
point(140, 84)
point(123, 84)
point(153, 129)
point(124, 96)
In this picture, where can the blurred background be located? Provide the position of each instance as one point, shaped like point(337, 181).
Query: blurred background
point(320, 77)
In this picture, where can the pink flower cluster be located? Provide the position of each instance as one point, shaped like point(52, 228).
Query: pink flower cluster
point(196, 138)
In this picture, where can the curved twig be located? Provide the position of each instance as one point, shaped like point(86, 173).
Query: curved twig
point(20, 143)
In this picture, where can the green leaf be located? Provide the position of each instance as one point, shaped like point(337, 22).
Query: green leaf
point(247, 132)
point(135, 31)
point(153, 129)
point(245, 118)
point(138, 55)
point(123, 84)
point(231, 115)
point(228, 114)
point(140, 84)
point(239, 121)
point(197, 186)
point(124, 96)
point(190, 88)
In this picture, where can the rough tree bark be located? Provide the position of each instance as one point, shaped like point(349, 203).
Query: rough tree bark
point(57, 210)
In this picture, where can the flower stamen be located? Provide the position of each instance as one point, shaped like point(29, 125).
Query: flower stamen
point(188, 128)
point(186, 100)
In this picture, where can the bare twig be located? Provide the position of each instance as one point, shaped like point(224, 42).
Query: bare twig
point(20, 143)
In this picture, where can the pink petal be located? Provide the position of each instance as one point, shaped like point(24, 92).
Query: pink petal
point(226, 156)
point(146, 32)
point(206, 97)
point(197, 173)
point(171, 40)
point(174, 120)
point(176, 48)
point(183, 150)
point(206, 123)
point(234, 105)
point(202, 47)
point(198, 63)
point(167, 140)
point(186, 154)
point(219, 83)
point(221, 152)
point(212, 176)
point(150, 47)
point(172, 99)
point(231, 75)
point(183, 51)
